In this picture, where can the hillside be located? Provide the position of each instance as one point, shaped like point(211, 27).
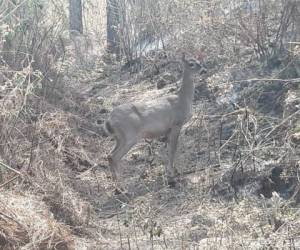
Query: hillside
point(238, 156)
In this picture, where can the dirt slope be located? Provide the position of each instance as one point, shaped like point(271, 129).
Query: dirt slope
point(237, 187)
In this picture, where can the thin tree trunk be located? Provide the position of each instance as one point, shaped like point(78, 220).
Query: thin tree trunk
point(113, 20)
point(75, 11)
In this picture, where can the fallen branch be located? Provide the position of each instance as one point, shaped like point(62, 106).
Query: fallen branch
point(9, 181)
point(283, 122)
point(10, 168)
point(292, 80)
point(110, 215)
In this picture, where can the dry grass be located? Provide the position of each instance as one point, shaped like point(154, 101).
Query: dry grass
point(238, 156)
point(25, 223)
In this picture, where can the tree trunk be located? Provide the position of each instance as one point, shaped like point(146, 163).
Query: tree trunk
point(113, 21)
point(75, 11)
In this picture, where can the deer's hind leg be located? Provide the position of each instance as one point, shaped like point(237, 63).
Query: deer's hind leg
point(123, 145)
point(113, 164)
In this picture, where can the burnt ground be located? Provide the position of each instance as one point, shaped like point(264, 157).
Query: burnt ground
point(230, 177)
point(238, 165)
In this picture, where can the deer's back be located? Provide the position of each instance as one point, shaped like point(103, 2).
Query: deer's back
point(148, 119)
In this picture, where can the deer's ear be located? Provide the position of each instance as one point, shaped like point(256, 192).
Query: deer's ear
point(183, 57)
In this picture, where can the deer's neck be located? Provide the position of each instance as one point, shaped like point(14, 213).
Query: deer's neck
point(186, 92)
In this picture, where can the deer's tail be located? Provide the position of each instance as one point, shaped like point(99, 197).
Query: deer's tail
point(108, 128)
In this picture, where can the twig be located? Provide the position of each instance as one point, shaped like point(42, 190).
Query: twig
point(235, 112)
point(284, 121)
point(292, 80)
point(10, 218)
point(191, 171)
point(17, 7)
point(110, 215)
point(9, 181)
point(10, 168)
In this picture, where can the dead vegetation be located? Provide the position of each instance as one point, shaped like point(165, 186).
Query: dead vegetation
point(238, 156)
point(25, 223)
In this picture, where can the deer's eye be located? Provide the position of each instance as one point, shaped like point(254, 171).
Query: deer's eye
point(191, 64)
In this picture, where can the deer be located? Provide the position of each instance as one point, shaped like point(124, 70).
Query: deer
point(164, 116)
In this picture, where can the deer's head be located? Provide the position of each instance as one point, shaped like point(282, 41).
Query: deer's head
point(193, 65)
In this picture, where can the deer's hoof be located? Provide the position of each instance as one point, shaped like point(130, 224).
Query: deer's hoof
point(171, 182)
point(118, 191)
point(176, 173)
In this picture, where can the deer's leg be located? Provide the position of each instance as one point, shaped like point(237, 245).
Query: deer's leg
point(123, 145)
point(113, 163)
point(172, 146)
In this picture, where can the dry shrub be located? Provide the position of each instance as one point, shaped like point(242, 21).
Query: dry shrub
point(67, 207)
point(12, 233)
point(30, 46)
point(54, 162)
point(225, 31)
point(55, 127)
point(31, 34)
point(25, 223)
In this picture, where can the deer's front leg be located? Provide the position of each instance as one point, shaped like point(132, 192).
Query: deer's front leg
point(172, 146)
